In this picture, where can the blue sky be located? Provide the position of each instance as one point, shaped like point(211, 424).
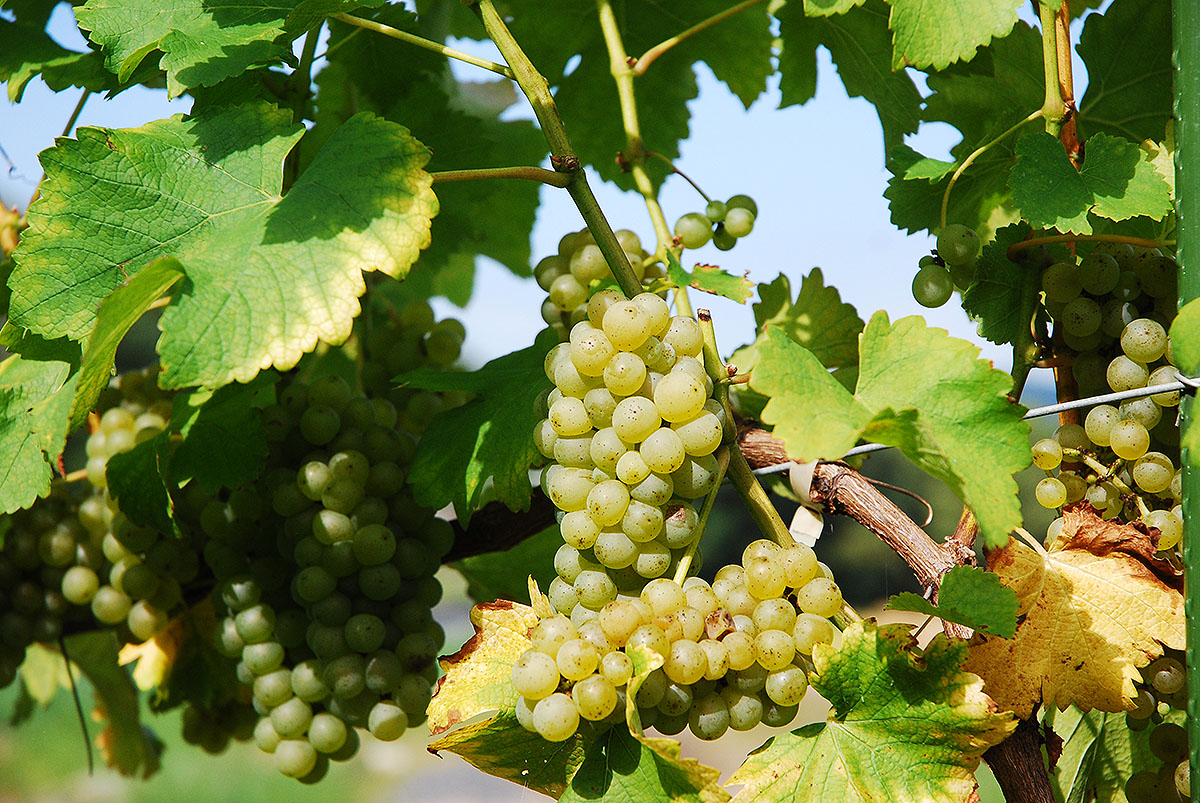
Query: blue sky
point(816, 172)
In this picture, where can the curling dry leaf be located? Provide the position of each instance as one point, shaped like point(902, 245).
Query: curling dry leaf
point(1097, 605)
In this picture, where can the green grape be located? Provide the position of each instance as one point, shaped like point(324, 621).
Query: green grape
point(957, 244)
point(1051, 493)
point(595, 696)
point(715, 211)
point(1047, 454)
point(738, 222)
point(742, 202)
point(387, 721)
point(932, 286)
point(1099, 423)
point(722, 239)
point(1081, 317)
point(1129, 440)
point(1126, 374)
point(709, 717)
point(1168, 742)
point(1115, 316)
point(295, 758)
point(555, 718)
point(820, 596)
point(693, 230)
point(1144, 340)
point(1183, 778)
point(1099, 273)
point(1061, 283)
point(1167, 675)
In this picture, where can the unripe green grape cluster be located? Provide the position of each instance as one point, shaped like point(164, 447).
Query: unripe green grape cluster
point(325, 570)
point(1162, 687)
point(953, 265)
point(722, 222)
point(404, 340)
point(570, 276)
point(212, 728)
point(735, 653)
point(631, 427)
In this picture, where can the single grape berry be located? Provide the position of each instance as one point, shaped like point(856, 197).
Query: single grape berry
point(957, 245)
point(932, 286)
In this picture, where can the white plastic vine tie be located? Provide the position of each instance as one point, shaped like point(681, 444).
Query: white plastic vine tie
point(1183, 384)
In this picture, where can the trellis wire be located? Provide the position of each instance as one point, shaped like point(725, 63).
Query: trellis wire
point(1182, 384)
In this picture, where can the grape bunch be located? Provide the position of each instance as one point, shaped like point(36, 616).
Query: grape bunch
point(325, 570)
point(631, 429)
point(568, 276)
point(1162, 689)
point(952, 265)
point(735, 653)
point(1123, 456)
point(722, 222)
point(403, 341)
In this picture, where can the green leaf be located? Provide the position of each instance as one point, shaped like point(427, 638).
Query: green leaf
point(1117, 181)
point(1100, 753)
point(225, 422)
point(136, 481)
point(818, 320)
point(861, 47)
point(26, 51)
point(43, 672)
point(121, 310)
point(968, 596)
point(489, 436)
point(1127, 52)
point(929, 33)
point(1005, 294)
point(504, 575)
point(203, 41)
point(1047, 188)
point(918, 389)
point(621, 766)
point(1185, 347)
point(458, 123)
point(35, 405)
point(710, 279)
point(127, 746)
point(906, 725)
point(825, 8)
point(268, 276)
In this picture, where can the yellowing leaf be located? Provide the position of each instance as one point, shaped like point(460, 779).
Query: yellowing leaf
point(154, 656)
point(1097, 605)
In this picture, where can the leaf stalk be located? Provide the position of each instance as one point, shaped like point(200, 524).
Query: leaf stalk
point(427, 44)
point(651, 55)
point(539, 174)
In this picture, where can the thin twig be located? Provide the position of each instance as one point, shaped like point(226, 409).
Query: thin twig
point(87, 739)
point(539, 174)
point(427, 44)
point(649, 57)
point(680, 173)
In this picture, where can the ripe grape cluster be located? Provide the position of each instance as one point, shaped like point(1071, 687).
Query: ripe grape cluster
point(325, 569)
point(631, 429)
point(722, 222)
point(953, 265)
point(569, 276)
point(1162, 689)
point(735, 653)
point(1122, 457)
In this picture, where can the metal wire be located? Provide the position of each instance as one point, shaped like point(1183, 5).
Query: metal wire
point(1182, 384)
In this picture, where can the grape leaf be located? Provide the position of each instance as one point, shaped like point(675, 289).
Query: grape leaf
point(121, 310)
point(710, 279)
point(825, 8)
point(1005, 294)
point(35, 405)
point(488, 437)
point(1127, 51)
point(268, 276)
point(43, 672)
point(906, 725)
point(226, 421)
point(818, 320)
point(478, 682)
point(27, 51)
point(1117, 181)
point(929, 33)
point(968, 596)
point(503, 575)
point(977, 200)
point(491, 218)
point(126, 745)
point(918, 389)
point(861, 47)
point(136, 481)
point(621, 766)
point(1097, 605)
point(1100, 753)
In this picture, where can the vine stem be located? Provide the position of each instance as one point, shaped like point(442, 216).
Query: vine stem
point(685, 562)
point(1032, 242)
point(1053, 108)
point(982, 149)
point(650, 56)
point(427, 44)
point(539, 174)
point(635, 148)
point(562, 156)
